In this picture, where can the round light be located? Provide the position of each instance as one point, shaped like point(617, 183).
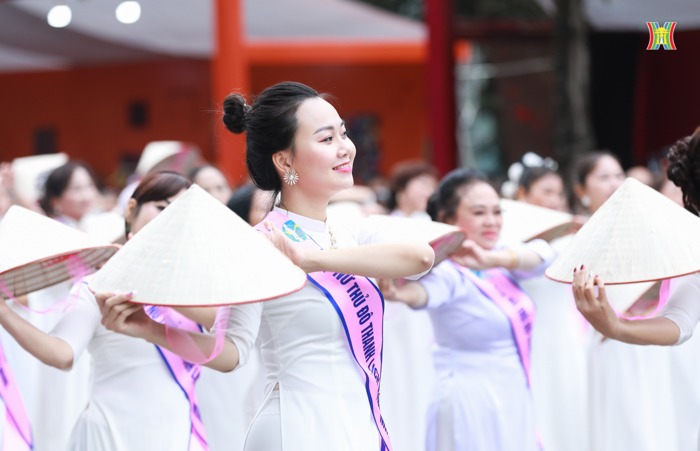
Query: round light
point(59, 16)
point(128, 12)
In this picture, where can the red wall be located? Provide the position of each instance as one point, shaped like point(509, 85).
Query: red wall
point(88, 107)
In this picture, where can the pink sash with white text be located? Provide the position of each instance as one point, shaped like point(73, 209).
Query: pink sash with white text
point(360, 306)
point(517, 306)
point(16, 430)
point(184, 373)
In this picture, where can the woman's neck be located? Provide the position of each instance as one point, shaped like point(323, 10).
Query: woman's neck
point(310, 207)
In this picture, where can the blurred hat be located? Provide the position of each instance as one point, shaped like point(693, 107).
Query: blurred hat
point(523, 222)
point(177, 156)
point(443, 238)
point(106, 226)
point(29, 174)
point(637, 235)
point(197, 252)
point(38, 252)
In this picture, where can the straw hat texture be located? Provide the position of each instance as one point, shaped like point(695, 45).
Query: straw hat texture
point(524, 222)
point(29, 174)
point(38, 252)
point(197, 252)
point(637, 235)
point(443, 238)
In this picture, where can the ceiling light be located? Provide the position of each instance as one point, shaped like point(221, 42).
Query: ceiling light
point(59, 16)
point(128, 12)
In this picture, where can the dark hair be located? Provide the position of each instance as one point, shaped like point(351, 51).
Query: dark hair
point(402, 175)
point(57, 182)
point(442, 205)
point(270, 125)
point(156, 186)
point(684, 169)
point(530, 176)
point(587, 163)
point(242, 200)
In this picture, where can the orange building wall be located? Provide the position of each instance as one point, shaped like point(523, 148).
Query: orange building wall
point(396, 93)
point(88, 106)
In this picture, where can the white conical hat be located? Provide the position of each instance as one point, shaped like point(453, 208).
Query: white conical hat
point(38, 252)
point(637, 235)
point(444, 238)
point(523, 222)
point(176, 156)
point(29, 174)
point(197, 252)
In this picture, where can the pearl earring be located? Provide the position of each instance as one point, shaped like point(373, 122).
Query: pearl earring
point(291, 177)
point(586, 201)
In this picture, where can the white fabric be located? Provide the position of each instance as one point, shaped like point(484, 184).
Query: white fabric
point(54, 398)
point(217, 392)
point(558, 365)
point(683, 307)
point(408, 373)
point(134, 403)
point(481, 393)
point(323, 403)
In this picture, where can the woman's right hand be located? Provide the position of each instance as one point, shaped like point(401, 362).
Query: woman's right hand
point(595, 306)
point(120, 315)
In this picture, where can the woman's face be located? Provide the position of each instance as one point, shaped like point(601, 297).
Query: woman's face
point(547, 191)
point(323, 152)
point(415, 196)
point(479, 214)
point(147, 212)
point(603, 180)
point(214, 182)
point(80, 196)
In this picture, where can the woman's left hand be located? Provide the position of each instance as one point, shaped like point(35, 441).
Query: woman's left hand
point(122, 316)
point(595, 306)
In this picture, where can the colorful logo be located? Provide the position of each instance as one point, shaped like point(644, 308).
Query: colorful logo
point(293, 231)
point(661, 36)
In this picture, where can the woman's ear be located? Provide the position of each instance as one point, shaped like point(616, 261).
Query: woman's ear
point(282, 160)
point(129, 216)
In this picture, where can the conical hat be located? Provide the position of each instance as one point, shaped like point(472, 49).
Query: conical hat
point(29, 174)
point(38, 252)
point(443, 238)
point(178, 156)
point(637, 235)
point(523, 222)
point(197, 252)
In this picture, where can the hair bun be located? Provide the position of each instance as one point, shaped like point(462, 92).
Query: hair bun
point(235, 113)
point(684, 169)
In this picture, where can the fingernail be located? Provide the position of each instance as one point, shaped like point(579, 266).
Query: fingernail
point(131, 294)
point(582, 267)
point(574, 269)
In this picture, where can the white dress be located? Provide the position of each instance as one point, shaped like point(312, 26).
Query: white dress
point(558, 365)
point(316, 396)
point(135, 404)
point(482, 400)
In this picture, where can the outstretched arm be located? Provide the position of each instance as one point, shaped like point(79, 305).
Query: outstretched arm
point(597, 310)
point(50, 350)
point(385, 260)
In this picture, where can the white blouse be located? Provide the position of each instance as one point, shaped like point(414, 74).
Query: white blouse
point(323, 402)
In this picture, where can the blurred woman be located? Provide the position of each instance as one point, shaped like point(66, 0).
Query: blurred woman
point(482, 322)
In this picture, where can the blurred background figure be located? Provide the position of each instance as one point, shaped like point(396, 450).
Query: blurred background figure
point(411, 184)
point(596, 176)
point(213, 181)
point(176, 156)
point(6, 190)
point(643, 174)
point(558, 359)
point(250, 203)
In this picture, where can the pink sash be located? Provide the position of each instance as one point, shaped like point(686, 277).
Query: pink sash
point(16, 431)
point(517, 306)
point(360, 306)
point(184, 373)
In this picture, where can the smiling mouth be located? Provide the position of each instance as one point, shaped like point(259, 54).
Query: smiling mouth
point(342, 166)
